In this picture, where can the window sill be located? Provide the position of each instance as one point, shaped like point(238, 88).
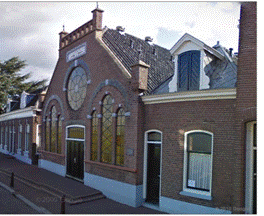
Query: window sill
point(196, 194)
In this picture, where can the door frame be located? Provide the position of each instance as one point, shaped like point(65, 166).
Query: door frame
point(145, 168)
point(249, 167)
point(75, 139)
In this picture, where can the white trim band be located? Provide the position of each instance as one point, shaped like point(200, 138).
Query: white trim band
point(212, 94)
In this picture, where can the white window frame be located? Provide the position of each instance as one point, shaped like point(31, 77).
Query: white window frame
point(6, 137)
point(19, 137)
point(27, 132)
point(2, 144)
point(249, 168)
point(10, 138)
point(189, 191)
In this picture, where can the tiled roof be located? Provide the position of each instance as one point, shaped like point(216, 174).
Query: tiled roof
point(126, 48)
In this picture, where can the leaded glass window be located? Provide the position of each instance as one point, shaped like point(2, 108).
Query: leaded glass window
point(107, 130)
point(77, 88)
point(53, 129)
point(59, 134)
point(94, 145)
point(120, 137)
point(47, 133)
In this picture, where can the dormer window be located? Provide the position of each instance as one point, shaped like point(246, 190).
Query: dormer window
point(189, 71)
point(23, 100)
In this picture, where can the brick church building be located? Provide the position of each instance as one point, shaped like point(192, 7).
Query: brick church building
point(172, 129)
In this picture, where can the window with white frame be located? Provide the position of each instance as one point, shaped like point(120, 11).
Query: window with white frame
point(2, 134)
point(198, 162)
point(10, 138)
point(6, 136)
point(27, 130)
point(19, 138)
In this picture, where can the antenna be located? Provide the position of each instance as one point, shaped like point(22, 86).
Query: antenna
point(63, 28)
point(97, 5)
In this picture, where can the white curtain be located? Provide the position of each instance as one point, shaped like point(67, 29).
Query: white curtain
point(199, 171)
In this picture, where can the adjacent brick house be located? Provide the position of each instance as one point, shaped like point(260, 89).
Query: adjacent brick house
point(20, 126)
point(150, 126)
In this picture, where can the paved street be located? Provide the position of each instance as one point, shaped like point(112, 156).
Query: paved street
point(9, 204)
point(45, 199)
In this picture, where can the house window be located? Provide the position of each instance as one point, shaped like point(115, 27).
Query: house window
point(107, 130)
point(53, 142)
point(94, 140)
point(27, 132)
point(19, 138)
point(189, 71)
point(120, 137)
point(198, 162)
point(2, 137)
point(10, 138)
point(6, 137)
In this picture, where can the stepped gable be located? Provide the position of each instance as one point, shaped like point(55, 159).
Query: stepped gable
point(129, 50)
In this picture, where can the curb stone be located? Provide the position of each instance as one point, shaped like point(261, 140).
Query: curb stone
point(39, 209)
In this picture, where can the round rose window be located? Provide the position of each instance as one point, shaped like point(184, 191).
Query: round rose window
point(77, 88)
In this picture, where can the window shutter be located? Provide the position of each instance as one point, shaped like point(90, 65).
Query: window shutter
point(194, 70)
point(183, 71)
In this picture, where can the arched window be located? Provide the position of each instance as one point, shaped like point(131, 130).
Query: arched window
point(198, 161)
point(107, 130)
point(59, 134)
point(53, 129)
point(120, 137)
point(47, 134)
point(94, 137)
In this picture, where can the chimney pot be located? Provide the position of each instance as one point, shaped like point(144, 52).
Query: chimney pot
point(120, 29)
point(148, 39)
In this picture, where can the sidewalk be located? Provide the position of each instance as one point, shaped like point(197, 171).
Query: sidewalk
point(45, 189)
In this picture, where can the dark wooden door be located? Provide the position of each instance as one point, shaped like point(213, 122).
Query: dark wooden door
point(153, 173)
point(75, 157)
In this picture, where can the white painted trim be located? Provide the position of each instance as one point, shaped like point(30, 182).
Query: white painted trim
point(212, 94)
point(187, 38)
point(119, 191)
point(179, 207)
point(53, 167)
point(249, 168)
point(21, 113)
point(189, 191)
point(145, 170)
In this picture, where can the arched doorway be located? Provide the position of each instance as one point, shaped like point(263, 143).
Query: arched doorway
point(152, 166)
point(75, 152)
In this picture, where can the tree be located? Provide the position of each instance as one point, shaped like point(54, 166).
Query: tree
point(12, 83)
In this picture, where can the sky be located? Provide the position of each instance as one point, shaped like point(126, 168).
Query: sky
point(30, 30)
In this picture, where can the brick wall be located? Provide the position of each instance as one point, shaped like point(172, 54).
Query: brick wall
point(101, 68)
point(174, 119)
point(246, 97)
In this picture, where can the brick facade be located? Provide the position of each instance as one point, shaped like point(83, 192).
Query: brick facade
point(224, 117)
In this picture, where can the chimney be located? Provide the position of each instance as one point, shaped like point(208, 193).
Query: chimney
point(148, 39)
point(120, 29)
point(230, 51)
point(97, 19)
point(140, 76)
